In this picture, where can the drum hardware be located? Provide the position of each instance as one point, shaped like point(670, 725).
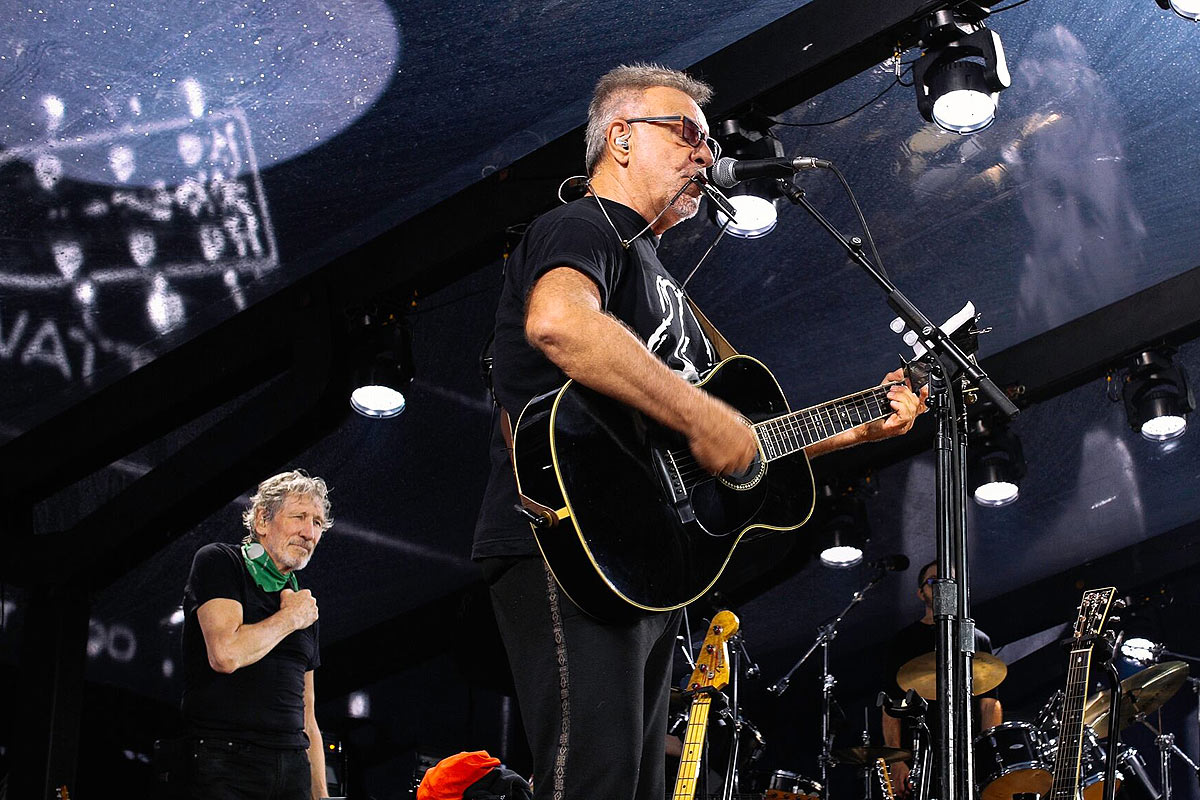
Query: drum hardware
point(1165, 742)
point(1050, 715)
point(826, 634)
point(1136, 783)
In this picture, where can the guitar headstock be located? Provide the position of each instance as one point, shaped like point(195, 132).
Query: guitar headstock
point(1093, 611)
point(712, 665)
point(885, 779)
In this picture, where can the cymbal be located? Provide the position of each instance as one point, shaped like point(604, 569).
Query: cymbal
point(866, 756)
point(1141, 693)
point(920, 673)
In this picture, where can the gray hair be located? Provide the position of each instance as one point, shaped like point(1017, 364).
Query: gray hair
point(618, 92)
point(274, 491)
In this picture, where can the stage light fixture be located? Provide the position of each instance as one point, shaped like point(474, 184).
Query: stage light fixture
point(995, 463)
point(754, 201)
point(1188, 9)
point(1157, 395)
point(960, 74)
point(844, 532)
point(385, 365)
point(1140, 650)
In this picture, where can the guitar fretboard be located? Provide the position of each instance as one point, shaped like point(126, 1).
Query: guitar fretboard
point(1070, 736)
point(693, 747)
point(789, 433)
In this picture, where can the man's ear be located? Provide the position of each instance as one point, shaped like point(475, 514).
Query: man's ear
point(619, 132)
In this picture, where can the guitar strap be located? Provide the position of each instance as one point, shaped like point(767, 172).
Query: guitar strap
point(722, 345)
point(548, 515)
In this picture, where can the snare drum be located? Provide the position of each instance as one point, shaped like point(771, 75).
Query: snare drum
point(784, 785)
point(1011, 759)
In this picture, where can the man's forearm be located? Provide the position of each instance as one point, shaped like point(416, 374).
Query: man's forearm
point(316, 762)
point(247, 644)
point(598, 351)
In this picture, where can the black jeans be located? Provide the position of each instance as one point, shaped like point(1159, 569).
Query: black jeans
point(225, 770)
point(593, 696)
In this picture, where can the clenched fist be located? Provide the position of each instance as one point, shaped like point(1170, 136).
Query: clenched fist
point(301, 607)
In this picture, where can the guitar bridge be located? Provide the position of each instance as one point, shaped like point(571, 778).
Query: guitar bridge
point(673, 486)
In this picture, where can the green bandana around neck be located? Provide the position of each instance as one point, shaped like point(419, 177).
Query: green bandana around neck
point(263, 570)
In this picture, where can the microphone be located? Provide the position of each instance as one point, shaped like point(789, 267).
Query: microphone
point(728, 172)
point(896, 563)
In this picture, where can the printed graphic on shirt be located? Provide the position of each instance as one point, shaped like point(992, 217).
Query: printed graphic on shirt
point(672, 339)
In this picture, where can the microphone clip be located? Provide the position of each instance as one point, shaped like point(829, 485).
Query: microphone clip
point(715, 195)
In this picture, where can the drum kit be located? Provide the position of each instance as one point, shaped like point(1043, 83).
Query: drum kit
point(1016, 758)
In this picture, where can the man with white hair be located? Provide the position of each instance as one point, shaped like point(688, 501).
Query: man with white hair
point(585, 297)
point(250, 645)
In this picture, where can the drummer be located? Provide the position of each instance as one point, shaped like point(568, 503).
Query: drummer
point(915, 640)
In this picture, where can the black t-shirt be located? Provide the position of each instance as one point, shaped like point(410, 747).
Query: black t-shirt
point(263, 702)
point(634, 287)
point(912, 641)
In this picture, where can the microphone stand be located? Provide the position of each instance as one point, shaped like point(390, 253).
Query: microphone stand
point(826, 633)
point(951, 597)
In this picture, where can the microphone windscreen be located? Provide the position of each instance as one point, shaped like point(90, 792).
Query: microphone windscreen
point(722, 173)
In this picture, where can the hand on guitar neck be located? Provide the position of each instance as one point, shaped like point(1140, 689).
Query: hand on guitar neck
point(906, 407)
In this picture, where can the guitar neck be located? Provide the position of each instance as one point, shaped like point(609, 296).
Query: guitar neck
point(693, 747)
point(1070, 733)
point(788, 433)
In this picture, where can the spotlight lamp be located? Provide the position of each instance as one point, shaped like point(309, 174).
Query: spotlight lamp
point(384, 367)
point(1188, 9)
point(754, 201)
point(959, 77)
point(1157, 396)
point(995, 463)
point(844, 531)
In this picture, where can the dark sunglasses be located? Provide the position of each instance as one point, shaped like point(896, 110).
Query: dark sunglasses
point(692, 134)
point(929, 581)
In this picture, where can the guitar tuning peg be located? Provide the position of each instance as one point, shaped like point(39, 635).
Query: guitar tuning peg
point(911, 338)
point(897, 325)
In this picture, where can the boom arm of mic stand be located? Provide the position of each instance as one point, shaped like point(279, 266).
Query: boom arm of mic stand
point(938, 341)
point(825, 634)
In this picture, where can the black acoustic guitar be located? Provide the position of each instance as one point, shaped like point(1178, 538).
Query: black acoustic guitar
point(633, 522)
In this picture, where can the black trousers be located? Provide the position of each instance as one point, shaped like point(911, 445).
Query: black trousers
point(593, 696)
point(225, 770)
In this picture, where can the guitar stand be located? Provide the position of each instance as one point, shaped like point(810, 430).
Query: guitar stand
point(955, 640)
point(1114, 714)
point(912, 706)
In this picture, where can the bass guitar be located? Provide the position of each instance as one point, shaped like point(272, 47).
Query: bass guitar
point(711, 674)
point(630, 522)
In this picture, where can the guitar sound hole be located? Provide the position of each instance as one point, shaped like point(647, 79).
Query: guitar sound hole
point(747, 478)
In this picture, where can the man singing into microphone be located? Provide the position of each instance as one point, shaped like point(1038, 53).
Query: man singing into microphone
point(250, 645)
point(586, 297)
